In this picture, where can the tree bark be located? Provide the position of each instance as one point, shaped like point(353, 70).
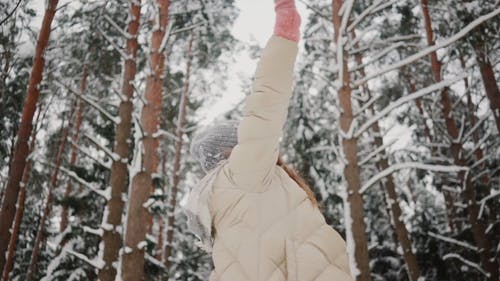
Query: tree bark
point(20, 207)
point(111, 238)
point(40, 235)
point(181, 120)
point(142, 183)
point(354, 199)
point(468, 194)
point(74, 150)
point(21, 150)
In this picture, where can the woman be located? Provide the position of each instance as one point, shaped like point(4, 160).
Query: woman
point(259, 219)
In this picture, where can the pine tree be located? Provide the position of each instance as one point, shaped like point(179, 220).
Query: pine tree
point(21, 148)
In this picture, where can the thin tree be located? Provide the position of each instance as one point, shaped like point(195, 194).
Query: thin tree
point(20, 206)
point(40, 234)
point(181, 121)
point(468, 194)
point(355, 225)
point(488, 77)
point(402, 234)
point(21, 149)
point(142, 183)
point(111, 237)
point(74, 149)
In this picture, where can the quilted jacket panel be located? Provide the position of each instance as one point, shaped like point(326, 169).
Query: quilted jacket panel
point(266, 229)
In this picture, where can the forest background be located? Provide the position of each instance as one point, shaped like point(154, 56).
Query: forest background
point(394, 122)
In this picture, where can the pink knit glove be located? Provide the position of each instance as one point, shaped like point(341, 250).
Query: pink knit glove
point(287, 20)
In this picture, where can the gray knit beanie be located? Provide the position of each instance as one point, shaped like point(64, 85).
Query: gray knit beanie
point(210, 143)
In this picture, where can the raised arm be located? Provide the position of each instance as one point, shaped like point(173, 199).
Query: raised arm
point(266, 108)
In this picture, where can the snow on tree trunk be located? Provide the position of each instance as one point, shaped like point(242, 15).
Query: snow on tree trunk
point(468, 194)
point(142, 183)
point(181, 120)
point(355, 225)
point(112, 219)
point(20, 207)
point(74, 149)
point(21, 149)
point(40, 237)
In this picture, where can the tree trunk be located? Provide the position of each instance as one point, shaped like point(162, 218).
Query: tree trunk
point(21, 150)
point(489, 82)
point(181, 120)
point(451, 210)
point(40, 237)
point(402, 234)
point(142, 183)
point(20, 207)
point(355, 225)
point(396, 213)
point(468, 194)
point(111, 238)
point(74, 150)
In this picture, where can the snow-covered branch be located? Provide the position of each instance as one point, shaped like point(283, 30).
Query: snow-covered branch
point(478, 124)
point(114, 119)
point(478, 144)
point(430, 49)
point(188, 28)
point(74, 176)
point(483, 202)
point(86, 153)
point(452, 241)
point(376, 151)
point(97, 232)
point(408, 165)
point(113, 44)
point(96, 262)
point(467, 262)
point(166, 37)
point(405, 99)
point(108, 152)
point(164, 134)
point(376, 57)
point(117, 27)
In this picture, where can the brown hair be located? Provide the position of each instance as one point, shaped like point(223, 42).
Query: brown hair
point(292, 174)
point(299, 180)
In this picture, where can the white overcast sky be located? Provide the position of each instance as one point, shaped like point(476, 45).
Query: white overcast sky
point(255, 23)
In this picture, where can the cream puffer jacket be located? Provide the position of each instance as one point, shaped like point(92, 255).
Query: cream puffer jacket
point(265, 227)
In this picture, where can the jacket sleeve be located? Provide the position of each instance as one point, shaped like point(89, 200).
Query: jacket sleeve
point(264, 114)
